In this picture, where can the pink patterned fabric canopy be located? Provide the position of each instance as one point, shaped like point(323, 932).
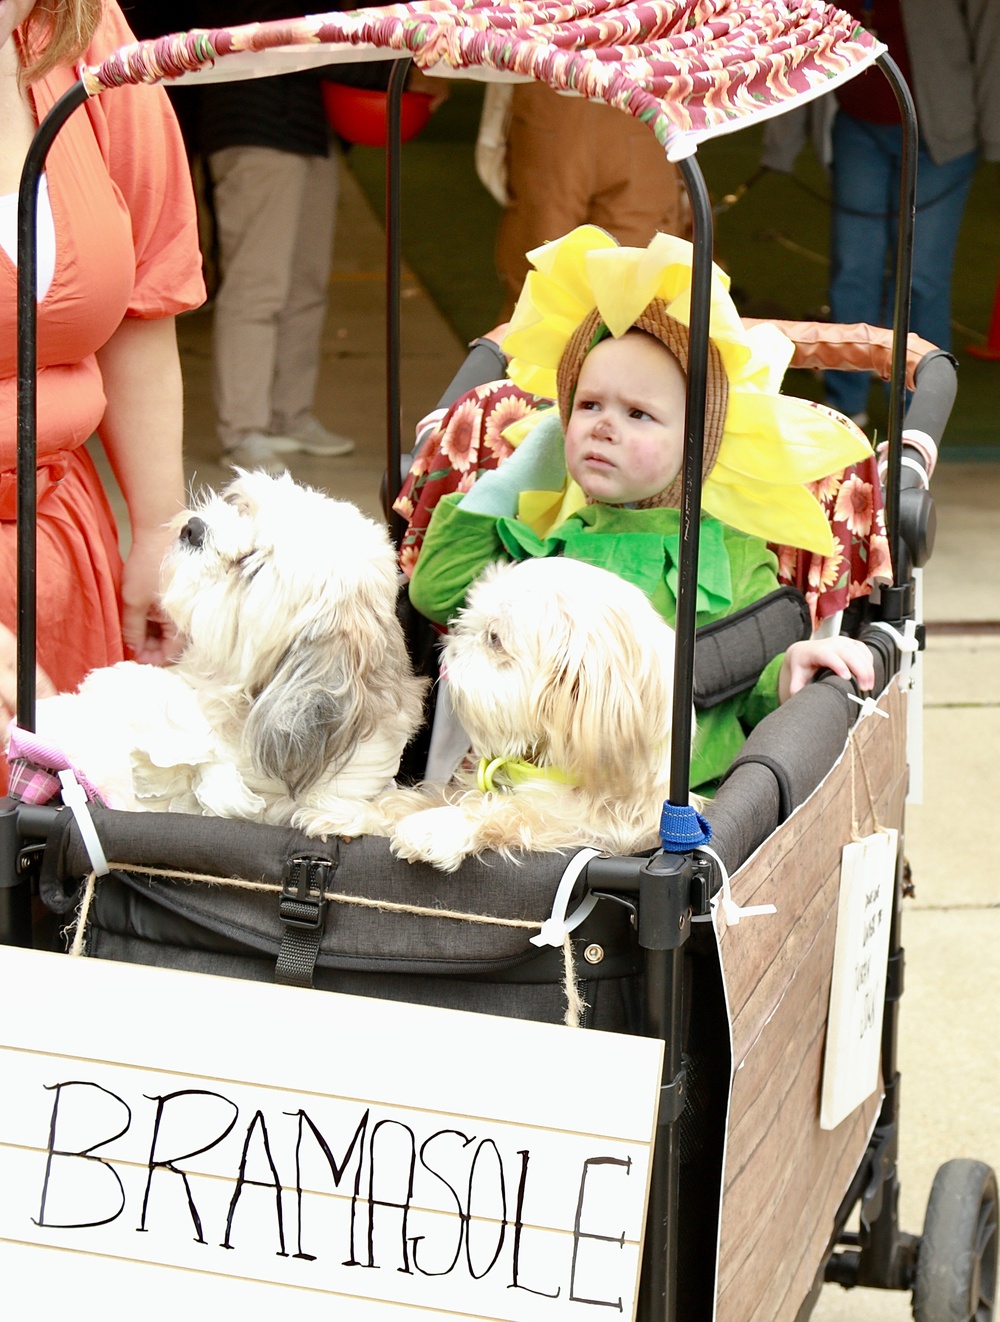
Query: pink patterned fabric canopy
point(691, 69)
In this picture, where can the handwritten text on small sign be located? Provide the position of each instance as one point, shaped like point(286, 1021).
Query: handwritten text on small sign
point(857, 993)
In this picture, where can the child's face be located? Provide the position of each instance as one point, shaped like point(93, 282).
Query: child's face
point(625, 439)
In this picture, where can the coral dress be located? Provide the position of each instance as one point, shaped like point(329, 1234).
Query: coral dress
point(126, 245)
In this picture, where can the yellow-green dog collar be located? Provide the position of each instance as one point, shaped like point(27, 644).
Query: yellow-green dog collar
point(518, 773)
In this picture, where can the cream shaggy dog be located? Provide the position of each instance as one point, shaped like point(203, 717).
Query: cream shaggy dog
point(562, 675)
point(293, 697)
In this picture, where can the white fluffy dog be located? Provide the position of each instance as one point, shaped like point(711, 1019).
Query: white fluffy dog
point(293, 697)
point(562, 675)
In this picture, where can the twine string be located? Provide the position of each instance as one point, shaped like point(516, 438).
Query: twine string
point(575, 1005)
point(857, 757)
point(574, 1002)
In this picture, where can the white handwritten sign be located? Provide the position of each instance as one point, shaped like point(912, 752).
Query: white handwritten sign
point(857, 992)
point(172, 1140)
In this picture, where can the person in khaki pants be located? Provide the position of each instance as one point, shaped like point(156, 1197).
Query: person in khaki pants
point(274, 183)
point(573, 162)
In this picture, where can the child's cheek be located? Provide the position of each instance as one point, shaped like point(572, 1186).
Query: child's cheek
point(655, 467)
point(572, 449)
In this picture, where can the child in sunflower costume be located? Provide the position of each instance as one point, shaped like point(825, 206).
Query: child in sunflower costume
point(603, 330)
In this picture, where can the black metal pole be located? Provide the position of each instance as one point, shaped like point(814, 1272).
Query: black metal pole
point(885, 1258)
point(888, 1257)
point(694, 442)
point(664, 992)
point(393, 286)
point(664, 907)
point(897, 601)
point(15, 892)
point(27, 413)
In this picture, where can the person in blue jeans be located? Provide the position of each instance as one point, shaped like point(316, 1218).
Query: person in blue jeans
point(949, 53)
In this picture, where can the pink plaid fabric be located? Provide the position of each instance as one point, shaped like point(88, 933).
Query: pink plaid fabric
point(32, 784)
point(34, 766)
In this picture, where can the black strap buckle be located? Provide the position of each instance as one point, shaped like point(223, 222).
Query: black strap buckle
point(303, 884)
point(302, 910)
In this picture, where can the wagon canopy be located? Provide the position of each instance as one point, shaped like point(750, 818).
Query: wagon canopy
point(691, 69)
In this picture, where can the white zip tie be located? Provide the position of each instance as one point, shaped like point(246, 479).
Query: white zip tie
point(907, 462)
point(919, 469)
point(907, 644)
point(76, 800)
point(557, 926)
point(869, 706)
point(731, 911)
point(925, 443)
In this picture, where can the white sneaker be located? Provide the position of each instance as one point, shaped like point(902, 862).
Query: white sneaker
point(311, 438)
point(255, 451)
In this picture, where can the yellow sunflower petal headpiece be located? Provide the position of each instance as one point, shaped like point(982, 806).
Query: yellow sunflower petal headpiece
point(766, 445)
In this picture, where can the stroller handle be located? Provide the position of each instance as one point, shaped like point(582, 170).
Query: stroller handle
point(936, 384)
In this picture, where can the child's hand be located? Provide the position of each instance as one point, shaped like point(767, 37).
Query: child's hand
point(846, 657)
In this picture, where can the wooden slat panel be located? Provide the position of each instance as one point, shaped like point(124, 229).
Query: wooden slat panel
point(784, 1176)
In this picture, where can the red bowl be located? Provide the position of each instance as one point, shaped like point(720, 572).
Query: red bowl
point(359, 114)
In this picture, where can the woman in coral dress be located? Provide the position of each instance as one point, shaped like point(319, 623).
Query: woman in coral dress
point(118, 259)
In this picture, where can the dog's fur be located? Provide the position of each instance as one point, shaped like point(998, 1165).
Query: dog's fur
point(561, 664)
point(293, 697)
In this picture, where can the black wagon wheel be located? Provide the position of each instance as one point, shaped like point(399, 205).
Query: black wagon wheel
point(956, 1272)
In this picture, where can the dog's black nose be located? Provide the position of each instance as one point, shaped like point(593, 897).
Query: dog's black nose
point(193, 532)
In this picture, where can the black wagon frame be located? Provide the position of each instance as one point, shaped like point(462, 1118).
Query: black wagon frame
point(667, 889)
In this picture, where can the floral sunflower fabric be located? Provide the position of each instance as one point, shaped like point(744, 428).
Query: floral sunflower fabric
point(853, 504)
point(465, 441)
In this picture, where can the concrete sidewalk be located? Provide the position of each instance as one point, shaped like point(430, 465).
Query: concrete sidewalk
point(950, 1057)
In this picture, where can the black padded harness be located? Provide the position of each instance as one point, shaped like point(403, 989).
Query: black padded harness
point(731, 653)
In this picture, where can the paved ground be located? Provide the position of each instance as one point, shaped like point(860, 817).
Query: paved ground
point(950, 1058)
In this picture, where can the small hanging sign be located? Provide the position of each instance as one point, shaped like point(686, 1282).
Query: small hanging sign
point(857, 992)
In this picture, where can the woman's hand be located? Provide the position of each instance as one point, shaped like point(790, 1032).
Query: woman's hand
point(148, 635)
point(44, 688)
point(846, 657)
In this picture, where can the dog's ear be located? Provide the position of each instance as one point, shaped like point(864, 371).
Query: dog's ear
point(326, 695)
point(306, 718)
point(606, 706)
